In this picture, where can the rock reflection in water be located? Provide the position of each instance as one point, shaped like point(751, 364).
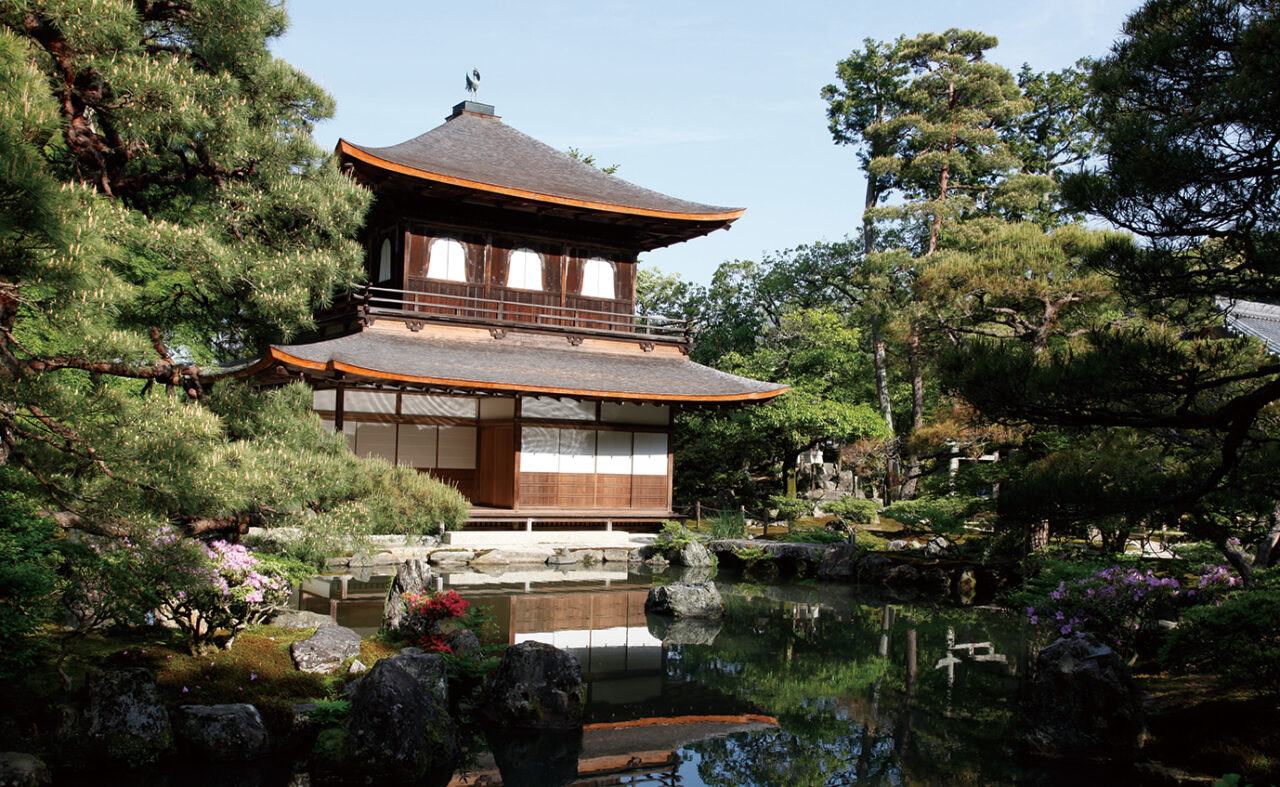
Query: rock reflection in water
point(536, 758)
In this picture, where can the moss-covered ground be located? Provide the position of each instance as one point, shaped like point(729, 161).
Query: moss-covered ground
point(257, 669)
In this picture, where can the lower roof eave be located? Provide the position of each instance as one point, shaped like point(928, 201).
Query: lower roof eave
point(348, 373)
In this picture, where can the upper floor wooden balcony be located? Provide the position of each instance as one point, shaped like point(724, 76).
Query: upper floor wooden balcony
point(506, 309)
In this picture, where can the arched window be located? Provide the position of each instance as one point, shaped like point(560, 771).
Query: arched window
point(384, 260)
point(524, 269)
point(447, 260)
point(597, 278)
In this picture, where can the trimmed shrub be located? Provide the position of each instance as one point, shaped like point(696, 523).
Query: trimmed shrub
point(672, 538)
point(426, 611)
point(791, 508)
point(1238, 639)
point(938, 514)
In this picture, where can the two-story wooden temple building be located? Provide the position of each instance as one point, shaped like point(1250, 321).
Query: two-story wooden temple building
point(497, 346)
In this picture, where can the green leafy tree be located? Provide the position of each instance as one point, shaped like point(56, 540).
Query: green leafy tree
point(1054, 135)
point(819, 355)
point(1187, 120)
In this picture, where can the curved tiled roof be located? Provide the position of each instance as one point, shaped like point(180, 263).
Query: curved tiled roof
point(480, 151)
point(1252, 318)
point(519, 366)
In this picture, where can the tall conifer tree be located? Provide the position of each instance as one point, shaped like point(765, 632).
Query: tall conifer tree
point(166, 210)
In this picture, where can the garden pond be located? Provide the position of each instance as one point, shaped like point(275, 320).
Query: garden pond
point(802, 683)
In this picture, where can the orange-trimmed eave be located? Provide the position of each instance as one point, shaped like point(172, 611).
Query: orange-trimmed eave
point(347, 149)
point(276, 356)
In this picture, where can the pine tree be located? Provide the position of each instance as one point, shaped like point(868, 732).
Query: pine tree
point(934, 109)
point(1167, 419)
point(166, 210)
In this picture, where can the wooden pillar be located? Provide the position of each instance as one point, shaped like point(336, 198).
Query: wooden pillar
point(338, 409)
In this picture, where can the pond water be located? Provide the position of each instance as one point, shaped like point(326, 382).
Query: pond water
point(803, 683)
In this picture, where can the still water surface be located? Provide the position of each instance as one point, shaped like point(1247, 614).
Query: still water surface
point(803, 683)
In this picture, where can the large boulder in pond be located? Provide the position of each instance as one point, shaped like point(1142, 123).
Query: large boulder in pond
point(840, 562)
point(535, 687)
point(1083, 703)
point(686, 601)
point(427, 668)
point(412, 576)
point(220, 732)
point(122, 717)
point(787, 557)
point(325, 651)
point(694, 555)
point(398, 730)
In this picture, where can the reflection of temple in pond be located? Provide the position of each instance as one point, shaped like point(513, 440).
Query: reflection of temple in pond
point(638, 714)
point(605, 628)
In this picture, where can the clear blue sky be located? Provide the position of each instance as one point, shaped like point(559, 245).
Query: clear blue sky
point(710, 101)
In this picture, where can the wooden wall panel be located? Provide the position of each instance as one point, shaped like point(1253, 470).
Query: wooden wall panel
point(573, 275)
point(573, 612)
point(552, 260)
point(626, 283)
point(495, 484)
point(538, 489)
point(619, 609)
point(533, 614)
point(446, 297)
point(536, 614)
point(613, 491)
point(486, 266)
point(475, 261)
point(649, 491)
point(581, 491)
point(416, 256)
point(576, 490)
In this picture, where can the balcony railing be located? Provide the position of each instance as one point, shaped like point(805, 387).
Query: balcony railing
point(492, 312)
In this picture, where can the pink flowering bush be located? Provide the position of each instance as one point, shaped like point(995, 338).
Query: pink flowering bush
point(1112, 604)
point(1213, 584)
point(226, 592)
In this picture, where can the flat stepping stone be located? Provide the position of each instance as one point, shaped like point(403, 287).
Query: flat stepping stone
point(514, 555)
point(450, 557)
point(295, 619)
point(326, 650)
